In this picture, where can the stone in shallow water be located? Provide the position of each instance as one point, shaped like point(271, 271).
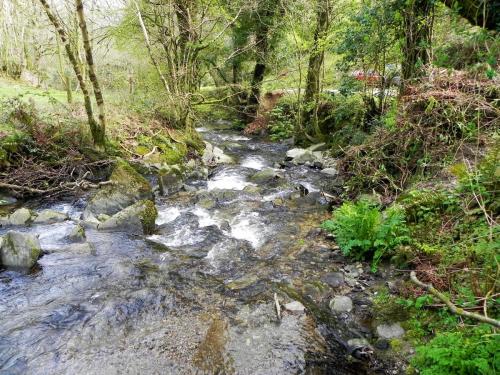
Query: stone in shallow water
point(264, 176)
point(77, 234)
point(330, 171)
point(19, 250)
point(390, 331)
point(50, 217)
point(341, 304)
point(136, 219)
point(295, 306)
point(21, 216)
point(128, 187)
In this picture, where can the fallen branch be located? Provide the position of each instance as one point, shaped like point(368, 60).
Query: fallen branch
point(454, 309)
point(83, 184)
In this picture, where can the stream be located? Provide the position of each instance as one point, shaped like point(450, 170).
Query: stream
point(196, 297)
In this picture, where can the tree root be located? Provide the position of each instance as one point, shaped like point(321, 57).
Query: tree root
point(454, 309)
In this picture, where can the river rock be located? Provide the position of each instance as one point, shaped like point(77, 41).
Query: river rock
point(214, 155)
point(265, 176)
point(390, 331)
point(330, 171)
point(128, 188)
point(138, 218)
point(170, 179)
point(84, 248)
point(21, 216)
point(303, 156)
point(341, 304)
point(334, 279)
point(295, 306)
point(19, 250)
point(50, 217)
point(77, 234)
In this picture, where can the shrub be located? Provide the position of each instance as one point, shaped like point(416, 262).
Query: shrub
point(364, 232)
point(471, 352)
point(281, 120)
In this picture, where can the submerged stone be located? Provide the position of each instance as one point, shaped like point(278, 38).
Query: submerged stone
point(265, 176)
point(19, 250)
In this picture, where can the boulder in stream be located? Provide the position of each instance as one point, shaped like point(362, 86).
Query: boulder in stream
point(214, 155)
point(77, 234)
point(170, 179)
point(128, 187)
point(19, 250)
point(21, 216)
point(138, 218)
point(302, 156)
point(50, 217)
point(265, 176)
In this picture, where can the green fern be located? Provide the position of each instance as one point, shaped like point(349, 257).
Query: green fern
point(472, 352)
point(364, 232)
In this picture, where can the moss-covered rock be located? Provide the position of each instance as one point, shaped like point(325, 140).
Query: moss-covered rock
point(128, 187)
point(138, 218)
point(50, 217)
point(19, 250)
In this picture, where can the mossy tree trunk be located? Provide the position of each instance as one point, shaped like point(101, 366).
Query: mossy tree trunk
point(316, 59)
point(266, 13)
point(101, 130)
point(95, 129)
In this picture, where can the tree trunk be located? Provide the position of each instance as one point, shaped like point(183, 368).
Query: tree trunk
point(417, 18)
point(316, 59)
point(265, 21)
point(92, 75)
point(97, 135)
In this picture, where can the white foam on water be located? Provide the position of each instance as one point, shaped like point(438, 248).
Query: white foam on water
point(309, 186)
point(229, 180)
point(202, 129)
point(167, 214)
point(53, 235)
point(181, 237)
point(231, 137)
point(254, 162)
point(204, 217)
point(248, 226)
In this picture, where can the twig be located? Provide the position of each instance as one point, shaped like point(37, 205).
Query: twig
point(278, 307)
point(454, 309)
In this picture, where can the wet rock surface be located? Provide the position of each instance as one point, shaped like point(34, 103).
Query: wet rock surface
point(197, 295)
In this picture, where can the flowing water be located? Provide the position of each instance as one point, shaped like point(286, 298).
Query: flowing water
point(197, 296)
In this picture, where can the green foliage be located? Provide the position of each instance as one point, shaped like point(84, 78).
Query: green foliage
point(472, 351)
point(281, 120)
point(363, 231)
